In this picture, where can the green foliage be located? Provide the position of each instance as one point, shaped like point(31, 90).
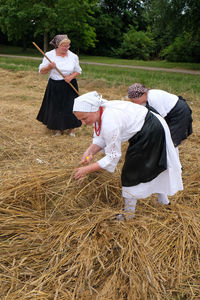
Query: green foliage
point(169, 19)
point(109, 35)
point(76, 19)
point(49, 17)
point(44, 16)
point(183, 49)
point(115, 76)
point(15, 18)
point(137, 45)
point(121, 28)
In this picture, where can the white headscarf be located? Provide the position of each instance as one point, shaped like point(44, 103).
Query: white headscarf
point(89, 102)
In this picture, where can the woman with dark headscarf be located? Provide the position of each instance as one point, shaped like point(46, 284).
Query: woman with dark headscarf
point(56, 109)
point(174, 109)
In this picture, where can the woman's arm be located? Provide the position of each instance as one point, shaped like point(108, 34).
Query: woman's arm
point(68, 78)
point(83, 171)
point(48, 68)
point(86, 158)
point(88, 154)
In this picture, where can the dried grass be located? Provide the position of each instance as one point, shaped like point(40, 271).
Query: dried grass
point(59, 239)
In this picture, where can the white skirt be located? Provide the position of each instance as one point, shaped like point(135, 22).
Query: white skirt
point(168, 182)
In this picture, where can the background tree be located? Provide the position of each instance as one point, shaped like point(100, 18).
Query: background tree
point(137, 45)
point(171, 21)
point(125, 28)
point(15, 20)
point(113, 19)
point(76, 19)
point(22, 19)
point(44, 16)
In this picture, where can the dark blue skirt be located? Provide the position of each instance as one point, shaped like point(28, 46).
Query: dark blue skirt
point(179, 120)
point(56, 111)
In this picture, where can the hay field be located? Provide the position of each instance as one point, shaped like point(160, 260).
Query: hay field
point(59, 239)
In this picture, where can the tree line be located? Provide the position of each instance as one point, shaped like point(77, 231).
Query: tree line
point(133, 29)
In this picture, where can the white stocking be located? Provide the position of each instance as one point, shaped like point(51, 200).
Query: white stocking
point(129, 208)
point(130, 204)
point(163, 199)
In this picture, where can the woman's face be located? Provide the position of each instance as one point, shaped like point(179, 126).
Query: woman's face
point(140, 100)
point(88, 118)
point(64, 47)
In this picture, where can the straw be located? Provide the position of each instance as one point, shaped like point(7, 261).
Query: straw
point(59, 238)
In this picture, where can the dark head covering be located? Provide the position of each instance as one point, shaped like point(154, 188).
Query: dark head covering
point(55, 42)
point(136, 90)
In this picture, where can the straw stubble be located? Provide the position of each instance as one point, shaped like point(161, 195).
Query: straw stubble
point(59, 239)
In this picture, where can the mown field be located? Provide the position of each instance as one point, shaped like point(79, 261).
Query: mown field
point(59, 239)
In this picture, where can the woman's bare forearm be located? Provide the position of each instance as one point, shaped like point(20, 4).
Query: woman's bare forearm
point(93, 149)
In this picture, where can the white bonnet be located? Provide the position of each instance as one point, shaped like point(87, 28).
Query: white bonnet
point(89, 102)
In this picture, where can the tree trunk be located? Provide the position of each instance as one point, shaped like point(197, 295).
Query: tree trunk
point(24, 44)
point(45, 41)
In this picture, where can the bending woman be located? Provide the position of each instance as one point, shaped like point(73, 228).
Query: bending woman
point(174, 109)
point(151, 163)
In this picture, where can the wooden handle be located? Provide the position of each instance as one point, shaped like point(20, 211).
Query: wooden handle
point(55, 67)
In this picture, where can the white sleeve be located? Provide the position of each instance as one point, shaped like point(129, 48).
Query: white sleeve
point(112, 150)
point(44, 63)
point(99, 141)
point(77, 67)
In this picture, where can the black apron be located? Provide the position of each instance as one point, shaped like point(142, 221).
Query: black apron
point(146, 155)
point(179, 120)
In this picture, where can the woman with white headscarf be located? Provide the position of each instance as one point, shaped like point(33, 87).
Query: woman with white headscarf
point(151, 164)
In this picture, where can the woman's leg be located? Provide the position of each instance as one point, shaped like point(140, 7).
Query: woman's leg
point(163, 199)
point(72, 132)
point(129, 209)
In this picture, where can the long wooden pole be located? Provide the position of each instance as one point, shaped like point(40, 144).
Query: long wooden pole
point(55, 67)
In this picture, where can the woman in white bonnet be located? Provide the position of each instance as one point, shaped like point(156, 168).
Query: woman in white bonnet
point(151, 164)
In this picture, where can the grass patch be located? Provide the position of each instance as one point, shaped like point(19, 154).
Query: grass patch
point(185, 84)
point(149, 63)
point(18, 64)
point(11, 50)
point(173, 82)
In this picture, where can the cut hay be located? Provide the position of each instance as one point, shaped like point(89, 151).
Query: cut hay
point(59, 239)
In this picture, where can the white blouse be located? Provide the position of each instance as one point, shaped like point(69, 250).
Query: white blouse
point(162, 101)
point(120, 121)
point(67, 65)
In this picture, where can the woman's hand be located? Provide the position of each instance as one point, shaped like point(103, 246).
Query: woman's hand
point(80, 173)
point(68, 78)
point(86, 159)
point(52, 65)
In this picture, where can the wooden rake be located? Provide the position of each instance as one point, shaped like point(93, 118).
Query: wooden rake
point(55, 67)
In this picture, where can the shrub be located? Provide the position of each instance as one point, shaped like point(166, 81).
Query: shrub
point(137, 45)
point(184, 49)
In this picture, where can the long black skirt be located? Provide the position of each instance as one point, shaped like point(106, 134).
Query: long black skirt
point(179, 120)
point(146, 155)
point(56, 111)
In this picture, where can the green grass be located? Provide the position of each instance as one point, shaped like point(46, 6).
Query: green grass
point(19, 64)
point(11, 50)
point(131, 62)
point(174, 82)
point(185, 84)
